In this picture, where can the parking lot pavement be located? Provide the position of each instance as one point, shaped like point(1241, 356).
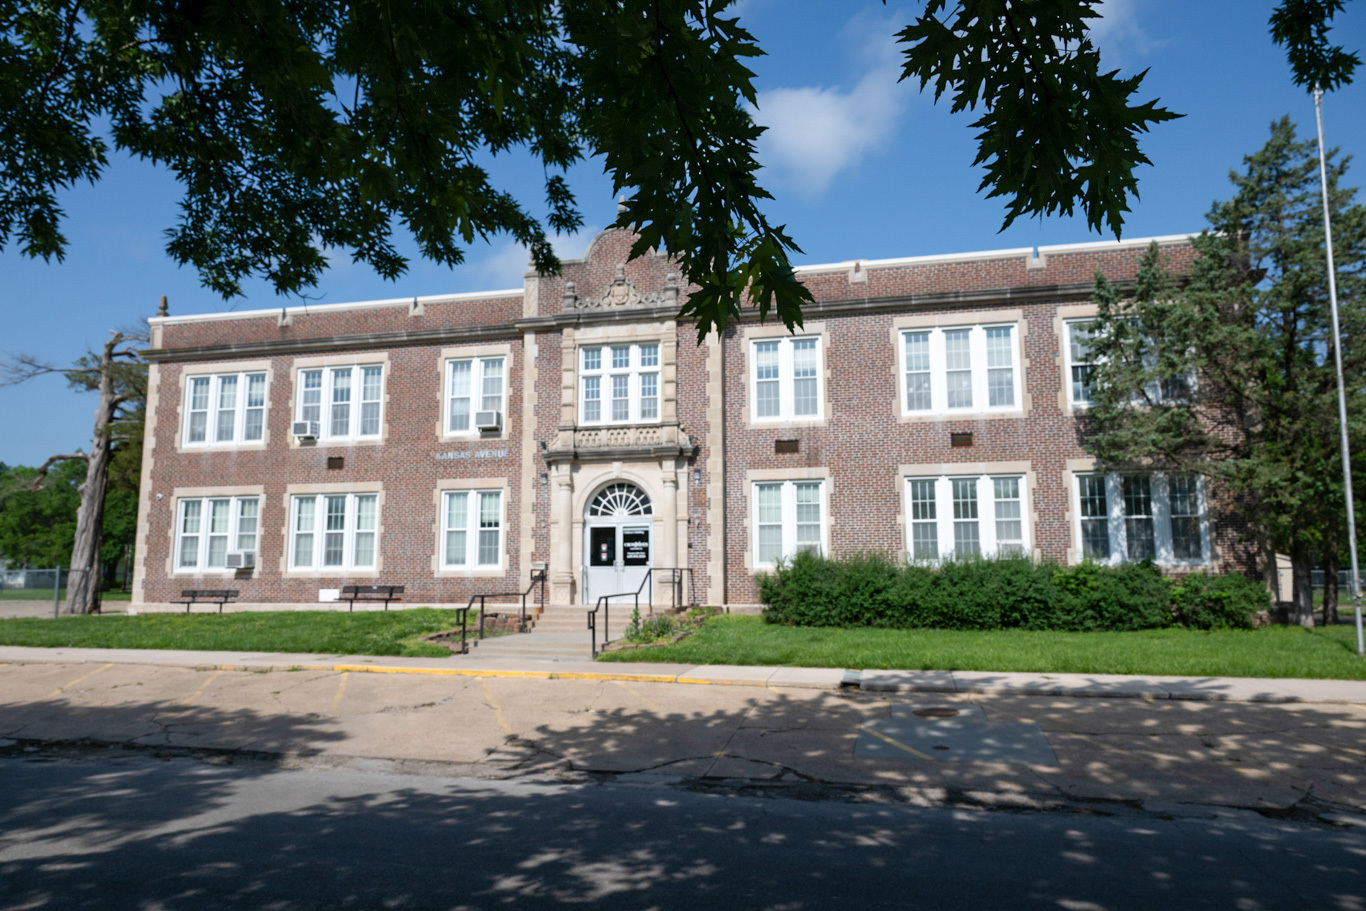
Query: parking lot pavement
point(1000, 750)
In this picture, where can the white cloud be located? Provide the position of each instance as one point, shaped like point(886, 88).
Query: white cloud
point(1117, 33)
point(816, 132)
point(507, 263)
point(504, 266)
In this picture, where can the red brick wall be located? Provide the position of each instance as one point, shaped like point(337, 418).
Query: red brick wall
point(405, 464)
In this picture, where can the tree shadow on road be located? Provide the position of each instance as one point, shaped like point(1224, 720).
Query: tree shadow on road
point(144, 834)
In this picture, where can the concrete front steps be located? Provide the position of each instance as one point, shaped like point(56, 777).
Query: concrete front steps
point(559, 633)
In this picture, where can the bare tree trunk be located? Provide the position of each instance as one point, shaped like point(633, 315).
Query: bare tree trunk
point(1330, 584)
point(83, 588)
point(1302, 598)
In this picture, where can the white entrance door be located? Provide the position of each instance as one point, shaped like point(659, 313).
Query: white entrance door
point(618, 544)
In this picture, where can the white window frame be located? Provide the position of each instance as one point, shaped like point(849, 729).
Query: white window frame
point(788, 505)
point(980, 370)
point(318, 531)
point(988, 538)
point(473, 528)
point(1161, 516)
point(233, 533)
point(355, 410)
point(786, 379)
point(636, 373)
point(1068, 363)
point(1155, 389)
point(478, 373)
point(214, 409)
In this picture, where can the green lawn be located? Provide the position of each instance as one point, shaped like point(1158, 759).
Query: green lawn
point(1272, 652)
point(369, 633)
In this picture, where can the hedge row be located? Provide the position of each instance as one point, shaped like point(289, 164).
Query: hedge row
point(872, 590)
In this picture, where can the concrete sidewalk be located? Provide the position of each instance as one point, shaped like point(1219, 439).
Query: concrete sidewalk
point(1108, 686)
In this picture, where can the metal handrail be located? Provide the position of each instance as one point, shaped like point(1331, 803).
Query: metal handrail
point(675, 596)
point(464, 613)
point(537, 578)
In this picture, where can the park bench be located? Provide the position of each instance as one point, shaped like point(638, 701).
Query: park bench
point(385, 593)
point(219, 596)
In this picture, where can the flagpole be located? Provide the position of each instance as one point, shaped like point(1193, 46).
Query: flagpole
point(1342, 390)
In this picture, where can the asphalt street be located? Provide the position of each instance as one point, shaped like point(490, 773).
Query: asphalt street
point(114, 830)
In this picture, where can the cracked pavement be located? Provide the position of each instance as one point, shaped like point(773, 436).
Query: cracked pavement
point(1117, 756)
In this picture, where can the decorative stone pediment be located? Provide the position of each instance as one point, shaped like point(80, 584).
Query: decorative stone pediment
point(622, 292)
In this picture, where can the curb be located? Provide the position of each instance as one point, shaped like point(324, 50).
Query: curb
point(1165, 689)
point(624, 676)
point(482, 672)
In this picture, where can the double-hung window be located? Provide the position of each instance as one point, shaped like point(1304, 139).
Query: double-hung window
point(474, 384)
point(1081, 367)
point(1135, 517)
point(789, 516)
point(785, 378)
point(335, 531)
point(963, 369)
point(225, 409)
point(472, 529)
point(345, 403)
point(963, 517)
point(1081, 363)
point(619, 384)
point(208, 528)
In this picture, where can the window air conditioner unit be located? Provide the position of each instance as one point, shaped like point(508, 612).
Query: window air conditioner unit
point(241, 559)
point(305, 430)
point(488, 420)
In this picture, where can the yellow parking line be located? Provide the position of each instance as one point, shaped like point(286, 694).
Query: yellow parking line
point(58, 690)
point(900, 746)
point(200, 692)
point(649, 703)
point(341, 689)
point(497, 709)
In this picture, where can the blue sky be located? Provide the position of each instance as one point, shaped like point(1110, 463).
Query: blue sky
point(861, 167)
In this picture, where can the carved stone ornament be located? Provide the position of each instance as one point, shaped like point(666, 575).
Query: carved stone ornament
point(622, 293)
point(607, 444)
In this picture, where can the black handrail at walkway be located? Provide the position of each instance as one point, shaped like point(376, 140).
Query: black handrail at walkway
point(537, 578)
point(675, 584)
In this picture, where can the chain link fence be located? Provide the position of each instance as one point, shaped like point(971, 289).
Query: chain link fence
point(1344, 580)
point(37, 592)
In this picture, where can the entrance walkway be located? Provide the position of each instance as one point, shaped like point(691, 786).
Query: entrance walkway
point(559, 634)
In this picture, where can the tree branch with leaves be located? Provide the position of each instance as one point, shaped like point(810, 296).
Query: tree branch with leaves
point(299, 126)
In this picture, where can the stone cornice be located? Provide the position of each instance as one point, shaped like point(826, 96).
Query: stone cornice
point(973, 298)
point(292, 346)
point(333, 343)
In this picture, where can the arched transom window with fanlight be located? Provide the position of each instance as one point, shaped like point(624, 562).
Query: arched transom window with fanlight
point(619, 501)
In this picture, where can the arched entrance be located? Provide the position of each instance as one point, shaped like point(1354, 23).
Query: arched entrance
point(618, 528)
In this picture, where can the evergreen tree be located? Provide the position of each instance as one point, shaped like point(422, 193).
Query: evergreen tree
point(1228, 372)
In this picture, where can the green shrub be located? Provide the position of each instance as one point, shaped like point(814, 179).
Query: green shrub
point(1129, 596)
point(649, 629)
point(1229, 601)
point(1004, 593)
point(814, 591)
